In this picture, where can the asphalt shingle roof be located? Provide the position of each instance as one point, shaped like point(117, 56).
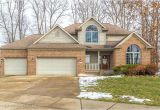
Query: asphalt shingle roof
point(111, 29)
point(27, 42)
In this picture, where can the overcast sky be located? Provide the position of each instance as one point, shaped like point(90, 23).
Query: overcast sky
point(65, 21)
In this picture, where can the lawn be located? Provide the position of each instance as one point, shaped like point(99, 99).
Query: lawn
point(144, 87)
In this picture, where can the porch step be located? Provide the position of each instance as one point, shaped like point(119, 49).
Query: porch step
point(106, 72)
point(87, 74)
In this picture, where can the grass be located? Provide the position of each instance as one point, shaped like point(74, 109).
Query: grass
point(146, 87)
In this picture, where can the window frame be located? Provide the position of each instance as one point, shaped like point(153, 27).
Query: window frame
point(91, 32)
point(88, 59)
point(132, 58)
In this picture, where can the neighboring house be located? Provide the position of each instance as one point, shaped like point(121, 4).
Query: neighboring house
point(79, 48)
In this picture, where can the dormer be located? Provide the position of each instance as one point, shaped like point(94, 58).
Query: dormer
point(91, 32)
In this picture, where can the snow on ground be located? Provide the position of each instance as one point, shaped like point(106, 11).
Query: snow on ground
point(94, 95)
point(134, 99)
point(92, 81)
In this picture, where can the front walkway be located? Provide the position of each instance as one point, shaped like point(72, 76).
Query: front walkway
point(48, 103)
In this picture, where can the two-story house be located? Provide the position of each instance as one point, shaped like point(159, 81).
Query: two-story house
point(76, 49)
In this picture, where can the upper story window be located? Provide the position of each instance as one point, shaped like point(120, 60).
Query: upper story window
point(91, 34)
point(133, 54)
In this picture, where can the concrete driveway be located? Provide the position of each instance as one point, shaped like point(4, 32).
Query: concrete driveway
point(51, 93)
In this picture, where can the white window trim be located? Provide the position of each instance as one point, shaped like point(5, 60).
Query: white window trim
point(133, 56)
point(89, 59)
point(92, 37)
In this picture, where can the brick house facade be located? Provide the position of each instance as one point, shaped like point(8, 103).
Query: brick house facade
point(82, 50)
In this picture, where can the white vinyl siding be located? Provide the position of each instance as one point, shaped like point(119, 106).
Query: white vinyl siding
point(114, 38)
point(57, 36)
point(15, 66)
point(82, 34)
point(56, 66)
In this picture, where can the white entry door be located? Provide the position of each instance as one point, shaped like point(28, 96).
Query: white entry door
point(56, 66)
point(15, 66)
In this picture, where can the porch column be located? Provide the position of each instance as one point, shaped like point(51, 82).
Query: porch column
point(98, 60)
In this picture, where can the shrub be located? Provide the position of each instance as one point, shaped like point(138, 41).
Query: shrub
point(116, 69)
point(136, 69)
point(151, 69)
point(123, 69)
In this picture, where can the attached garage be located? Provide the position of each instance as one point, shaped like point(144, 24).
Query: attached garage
point(15, 66)
point(56, 66)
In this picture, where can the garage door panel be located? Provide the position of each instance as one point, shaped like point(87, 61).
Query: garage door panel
point(56, 66)
point(15, 66)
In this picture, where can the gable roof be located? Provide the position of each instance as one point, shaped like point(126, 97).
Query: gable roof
point(139, 37)
point(27, 43)
point(91, 19)
point(31, 41)
point(23, 43)
point(56, 46)
point(111, 29)
point(52, 30)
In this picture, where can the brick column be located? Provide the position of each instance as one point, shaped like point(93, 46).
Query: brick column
point(1, 67)
point(31, 67)
point(81, 63)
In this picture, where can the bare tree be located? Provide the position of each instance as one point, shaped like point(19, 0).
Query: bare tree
point(84, 9)
point(113, 11)
point(21, 19)
point(149, 12)
point(56, 9)
point(12, 19)
point(120, 12)
point(47, 13)
point(38, 14)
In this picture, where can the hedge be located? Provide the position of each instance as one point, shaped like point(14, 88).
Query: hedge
point(136, 69)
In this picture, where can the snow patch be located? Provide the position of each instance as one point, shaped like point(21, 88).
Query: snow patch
point(134, 99)
point(91, 81)
point(94, 95)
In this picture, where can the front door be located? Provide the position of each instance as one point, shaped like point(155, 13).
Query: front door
point(105, 62)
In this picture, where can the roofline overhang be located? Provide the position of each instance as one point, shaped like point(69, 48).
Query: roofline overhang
point(101, 49)
point(13, 48)
point(56, 48)
point(89, 20)
point(130, 35)
point(117, 34)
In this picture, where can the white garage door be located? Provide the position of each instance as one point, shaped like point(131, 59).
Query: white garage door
point(56, 66)
point(15, 66)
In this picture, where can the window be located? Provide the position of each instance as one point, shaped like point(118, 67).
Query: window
point(87, 58)
point(92, 34)
point(133, 54)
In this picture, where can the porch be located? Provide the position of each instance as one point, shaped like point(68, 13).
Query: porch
point(97, 61)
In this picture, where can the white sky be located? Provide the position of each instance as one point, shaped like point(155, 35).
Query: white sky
point(65, 21)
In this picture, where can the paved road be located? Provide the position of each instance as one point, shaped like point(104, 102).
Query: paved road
point(51, 93)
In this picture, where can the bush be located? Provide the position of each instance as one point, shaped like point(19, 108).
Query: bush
point(123, 69)
point(151, 69)
point(136, 69)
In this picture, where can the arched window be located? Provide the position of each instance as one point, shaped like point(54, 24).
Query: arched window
point(91, 34)
point(133, 54)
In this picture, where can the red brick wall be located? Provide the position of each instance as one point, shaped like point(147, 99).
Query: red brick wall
point(119, 54)
point(10, 54)
point(78, 54)
point(13, 53)
point(31, 56)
